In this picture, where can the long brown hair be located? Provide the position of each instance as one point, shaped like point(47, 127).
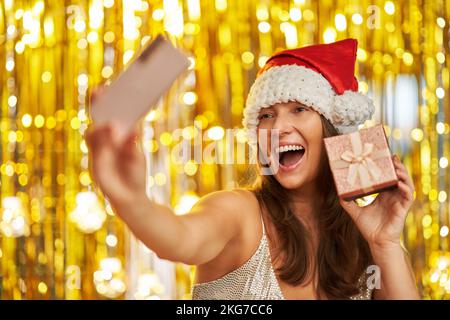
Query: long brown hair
point(342, 255)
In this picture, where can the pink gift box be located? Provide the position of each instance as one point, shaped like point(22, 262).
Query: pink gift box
point(361, 163)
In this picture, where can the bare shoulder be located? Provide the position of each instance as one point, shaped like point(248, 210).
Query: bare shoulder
point(228, 200)
point(234, 208)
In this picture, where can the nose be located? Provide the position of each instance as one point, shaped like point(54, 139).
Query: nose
point(283, 125)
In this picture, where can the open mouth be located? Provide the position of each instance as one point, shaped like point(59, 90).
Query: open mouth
point(290, 155)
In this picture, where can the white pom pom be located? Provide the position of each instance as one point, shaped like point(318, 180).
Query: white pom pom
point(351, 109)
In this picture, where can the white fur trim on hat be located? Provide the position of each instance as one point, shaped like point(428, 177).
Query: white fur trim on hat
point(281, 84)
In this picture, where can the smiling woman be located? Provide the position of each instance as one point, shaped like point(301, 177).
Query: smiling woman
point(289, 236)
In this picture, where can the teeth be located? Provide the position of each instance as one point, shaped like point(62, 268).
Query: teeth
point(289, 148)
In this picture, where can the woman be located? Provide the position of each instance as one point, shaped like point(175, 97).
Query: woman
point(289, 237)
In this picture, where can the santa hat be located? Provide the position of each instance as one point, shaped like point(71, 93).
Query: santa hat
point(319, 76)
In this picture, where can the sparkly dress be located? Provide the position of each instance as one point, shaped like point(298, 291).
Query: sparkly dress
point(255, 280)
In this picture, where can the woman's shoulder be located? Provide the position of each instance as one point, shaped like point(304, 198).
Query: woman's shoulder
point(233, 198)
point(238, 205)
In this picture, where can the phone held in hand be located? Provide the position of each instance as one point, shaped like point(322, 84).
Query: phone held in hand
point(138, 88)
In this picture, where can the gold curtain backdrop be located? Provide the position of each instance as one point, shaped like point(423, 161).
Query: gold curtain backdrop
point(59, 238)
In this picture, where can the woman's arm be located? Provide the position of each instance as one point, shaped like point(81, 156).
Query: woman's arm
point(396, 274)
point(381, 223)
point(119, 170)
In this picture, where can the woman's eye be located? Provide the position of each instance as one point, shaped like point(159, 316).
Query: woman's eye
point(265, 116)
point(300, 109)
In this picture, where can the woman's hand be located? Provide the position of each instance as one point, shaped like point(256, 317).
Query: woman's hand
point(118, 165)
point(381, 223)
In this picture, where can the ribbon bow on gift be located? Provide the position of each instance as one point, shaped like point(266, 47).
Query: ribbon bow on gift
point(360, 164)
point(360, 161)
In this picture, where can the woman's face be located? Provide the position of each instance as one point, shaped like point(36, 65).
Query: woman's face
point(300, 142)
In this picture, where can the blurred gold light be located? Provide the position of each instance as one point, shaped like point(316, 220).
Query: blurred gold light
point(426, 221)
point(308, 15)
point(19, 14)
point(20, 47)
point(408, 58)
point(42, 287)
point(417, 134)
point(109, 278)
point(27, 120)
point(92, 37)
point(108, 3)
point(262, 13)
point(216, 133)
point(190, 168)
point(10, 65)
point(111, 240)
point(442, 196)
point(160, 179)
point(165, 138)
point(82, 80)
point(361, 54)
point(389, 7)
point(440, 128)
point(191, 63)
point(46, 76)
point(149, 287)
point(440, 93)
point(264, 27)
point(189, 98)
point(39, 121)
point(109, 37)
point(151, 145)
point(189, 132)
point(38, 7)
point(82, 44)
point(158, 15)
point(444, 231)
point(186, 203)
point(329, 35)
point(74, 123)
point(440, 22)
point(79, 26)
point(88, 214)
point(363, 87)
point(340, 22)
point(12, 136)
point(85, 178)
point(262, 61)
point(295, 14)
point(440, 57)
point(221, 5)
point(13, 219)
point(397, 134)
point(107, 72)
point(201, 121)
point(127, 56)
point(357, 19)
point(247, 57)
point(12, 101)
point(443, 162)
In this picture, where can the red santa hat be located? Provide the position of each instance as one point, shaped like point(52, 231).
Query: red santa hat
point(319, 76)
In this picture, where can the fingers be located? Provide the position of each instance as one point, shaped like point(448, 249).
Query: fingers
point(97, 92)
point(131, 146)
point(97, 136)
point(351, 208)
point(402, 173)
point(405, 191)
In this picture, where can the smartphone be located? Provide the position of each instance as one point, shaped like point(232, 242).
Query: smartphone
point(139, 87)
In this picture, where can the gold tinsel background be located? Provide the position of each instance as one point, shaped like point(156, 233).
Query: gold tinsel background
point(59, 239)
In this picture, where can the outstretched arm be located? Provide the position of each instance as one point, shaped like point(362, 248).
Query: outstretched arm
point(119, 170)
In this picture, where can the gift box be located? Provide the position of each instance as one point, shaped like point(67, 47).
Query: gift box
point(361, 163)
